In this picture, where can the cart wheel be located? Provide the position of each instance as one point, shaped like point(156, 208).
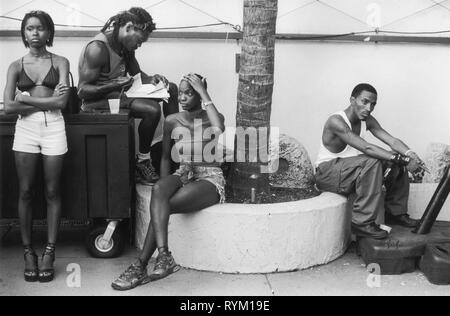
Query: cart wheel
point(96, 247)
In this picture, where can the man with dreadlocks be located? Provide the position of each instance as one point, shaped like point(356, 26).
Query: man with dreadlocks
point(104, 64)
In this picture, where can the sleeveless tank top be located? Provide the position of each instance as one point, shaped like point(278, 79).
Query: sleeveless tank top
point(326, 155)
point(117, 67)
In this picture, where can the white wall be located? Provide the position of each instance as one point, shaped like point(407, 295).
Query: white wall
point(166, 13)
point(312, 80)
point(294, 16)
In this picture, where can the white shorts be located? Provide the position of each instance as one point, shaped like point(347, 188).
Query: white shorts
point(36, 137)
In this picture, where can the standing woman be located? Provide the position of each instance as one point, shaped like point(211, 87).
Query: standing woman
point(37, 91)
point(197, 184)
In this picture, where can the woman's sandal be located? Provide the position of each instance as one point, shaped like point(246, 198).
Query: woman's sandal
point(47, 275)
point(31, 275)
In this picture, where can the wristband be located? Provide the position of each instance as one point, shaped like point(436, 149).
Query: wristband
point(207, 104)
point(400, 160)
point(408, 152)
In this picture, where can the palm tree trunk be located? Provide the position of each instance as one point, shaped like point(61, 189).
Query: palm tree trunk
point(254, 106)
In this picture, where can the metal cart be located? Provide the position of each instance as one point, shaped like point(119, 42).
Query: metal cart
point(98, 178)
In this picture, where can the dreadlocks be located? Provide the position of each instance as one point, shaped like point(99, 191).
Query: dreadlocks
point(140, 18)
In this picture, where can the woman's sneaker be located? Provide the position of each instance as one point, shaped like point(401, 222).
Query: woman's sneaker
point(165, 265)
point(134, 276)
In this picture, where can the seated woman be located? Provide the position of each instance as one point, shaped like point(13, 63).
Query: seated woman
point(37, 90)
point(197, 184)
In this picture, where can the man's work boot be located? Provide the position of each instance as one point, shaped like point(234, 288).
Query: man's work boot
point(369, 231)
point(401, 220)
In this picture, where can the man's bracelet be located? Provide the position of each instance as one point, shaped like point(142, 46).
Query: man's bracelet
point(400, 160)
point(408, 152)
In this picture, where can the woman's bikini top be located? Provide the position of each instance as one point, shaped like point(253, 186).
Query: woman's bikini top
point(50, 81)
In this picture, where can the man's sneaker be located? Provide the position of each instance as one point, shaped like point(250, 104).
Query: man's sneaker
point(145, 172)
point(165, 265)
point(134, 276)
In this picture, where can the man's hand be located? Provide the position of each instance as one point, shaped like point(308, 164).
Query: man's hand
point(413, 166)
point(123, 82)
point(416, 163)
point(60, 90)
point(157, 78)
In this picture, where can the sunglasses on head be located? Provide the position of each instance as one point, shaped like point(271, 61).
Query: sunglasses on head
point(142, 27)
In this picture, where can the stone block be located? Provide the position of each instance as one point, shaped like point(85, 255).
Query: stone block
point(243, 238)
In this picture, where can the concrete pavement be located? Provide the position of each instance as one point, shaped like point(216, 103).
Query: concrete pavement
point(345, 276)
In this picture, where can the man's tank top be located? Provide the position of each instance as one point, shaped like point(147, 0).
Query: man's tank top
point(117, 67)
point(326, 155)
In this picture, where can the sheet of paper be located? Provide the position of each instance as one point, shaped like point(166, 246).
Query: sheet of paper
point(148, 91)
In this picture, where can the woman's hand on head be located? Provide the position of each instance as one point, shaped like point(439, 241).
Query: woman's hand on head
point(197, 84)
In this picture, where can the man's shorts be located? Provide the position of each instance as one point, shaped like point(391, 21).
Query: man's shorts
point(40, 136)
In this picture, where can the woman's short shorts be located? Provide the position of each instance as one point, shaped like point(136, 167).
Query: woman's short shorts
point(38, 135)
point(191, 173)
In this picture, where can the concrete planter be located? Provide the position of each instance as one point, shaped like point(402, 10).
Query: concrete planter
point(420, 195)
point(238, 238)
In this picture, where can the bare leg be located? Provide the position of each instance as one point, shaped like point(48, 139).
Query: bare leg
point(164, 188)
point(168, 194)
point(26, 165)
point(192, 197)
point(52, 173)
point(150, 113)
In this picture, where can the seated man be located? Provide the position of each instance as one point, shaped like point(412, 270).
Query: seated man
point(348, 164)
point(103, 67)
